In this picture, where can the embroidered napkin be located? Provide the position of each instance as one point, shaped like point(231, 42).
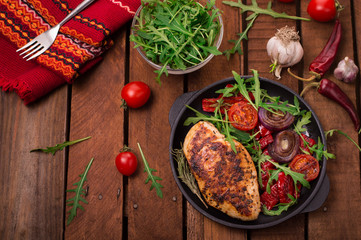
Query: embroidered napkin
point(78, 46)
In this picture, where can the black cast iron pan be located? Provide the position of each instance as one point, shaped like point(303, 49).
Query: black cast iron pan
point(310, 200)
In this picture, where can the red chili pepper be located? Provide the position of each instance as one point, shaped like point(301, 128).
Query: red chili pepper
point(210, 104)
point(270, 199)
point(265, 141)
point(320, 65)
point(265, 152)
point(285, 186)
point(263, 131)
point(266, 166)
point(332, 91)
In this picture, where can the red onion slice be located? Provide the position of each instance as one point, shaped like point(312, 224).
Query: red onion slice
point(275, 121)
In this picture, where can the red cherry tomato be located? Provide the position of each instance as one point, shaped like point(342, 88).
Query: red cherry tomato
point(322, 10)
point(307, 165)
point(135, 94)
point(243, 116)
point(286, 1)
point(126, 163)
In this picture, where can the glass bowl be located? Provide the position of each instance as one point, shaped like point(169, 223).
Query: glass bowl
point(190, 69)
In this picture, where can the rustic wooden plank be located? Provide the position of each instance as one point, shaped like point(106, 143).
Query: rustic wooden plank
point(32, 184)
point(337, 218)
point(153, 218)
point(96, 112)
point(198, 226)
point(264, 28)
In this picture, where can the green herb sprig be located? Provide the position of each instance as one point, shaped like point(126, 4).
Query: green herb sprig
point(281, 207)
point(151, 177)
point(185, 173)
point(297, 177)
point(79, 191)
point(176, 34)
point(319, 150)
point(302, 122)
point(332, 131)
point(59, 146)
point(256, 11)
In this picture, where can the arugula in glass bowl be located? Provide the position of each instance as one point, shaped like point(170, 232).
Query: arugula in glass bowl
point(177, 37)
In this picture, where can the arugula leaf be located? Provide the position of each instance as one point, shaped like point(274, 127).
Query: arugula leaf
point(241, 136)
point(242, 36)
point(297, 177)
point(242, 88)
point(320, 152)
point(79, 192)
point(257, 89)
point(332, 131)
point(59, 146)
point(211, 49)
point(297, 108)
point(228, 135)
point(257, 10)
point(277, 106)
point(281, 207)
point(151, 177)
point(200, 117)
point(260, 158)
point(273, 177)
point(228, 91)
point(299, 127)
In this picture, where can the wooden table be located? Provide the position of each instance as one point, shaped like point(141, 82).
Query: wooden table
point(32, 202)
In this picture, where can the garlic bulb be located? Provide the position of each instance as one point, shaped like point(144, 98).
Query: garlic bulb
point(284, 49)
point(346, 70)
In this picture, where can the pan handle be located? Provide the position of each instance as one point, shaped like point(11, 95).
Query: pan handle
point(178, 105)
point(320, 196)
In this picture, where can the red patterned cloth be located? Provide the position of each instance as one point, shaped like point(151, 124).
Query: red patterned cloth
point(78, 46)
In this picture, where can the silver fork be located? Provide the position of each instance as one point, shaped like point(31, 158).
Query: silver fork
point(42, 42)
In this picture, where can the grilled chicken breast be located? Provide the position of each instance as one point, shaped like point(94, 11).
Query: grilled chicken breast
point(227, 181)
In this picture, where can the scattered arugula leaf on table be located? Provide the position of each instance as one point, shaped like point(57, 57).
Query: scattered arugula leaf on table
point(332, 131)
point(79, 191)
point(256, 11)
point(60, 146)
point(151, 177)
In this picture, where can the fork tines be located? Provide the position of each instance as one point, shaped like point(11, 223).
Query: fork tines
point(33, 48)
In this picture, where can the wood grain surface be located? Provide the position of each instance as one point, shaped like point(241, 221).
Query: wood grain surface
point(33, 185)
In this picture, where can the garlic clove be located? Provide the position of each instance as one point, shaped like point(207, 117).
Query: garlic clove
point(346, 70)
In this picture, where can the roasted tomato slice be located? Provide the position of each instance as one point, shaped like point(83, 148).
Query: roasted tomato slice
point(307, 165)
point(243, 116)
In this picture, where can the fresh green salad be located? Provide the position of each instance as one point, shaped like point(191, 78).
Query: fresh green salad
point(176, 34)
